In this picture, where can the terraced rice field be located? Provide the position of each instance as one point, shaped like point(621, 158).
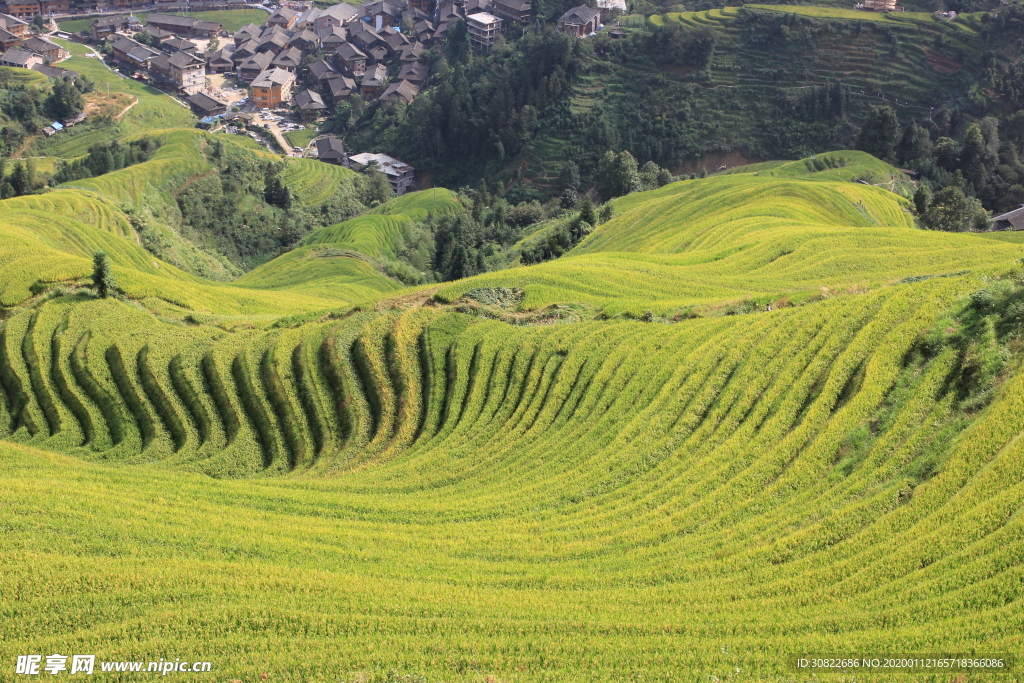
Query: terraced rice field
point(313, 181)
point(464, 499)
point(384, 487)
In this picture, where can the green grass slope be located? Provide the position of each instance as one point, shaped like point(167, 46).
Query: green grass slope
point(153, 110)
point(750, 235)
point(313, 181)
point(547, 503)
point(402, 488)
point(340, 260)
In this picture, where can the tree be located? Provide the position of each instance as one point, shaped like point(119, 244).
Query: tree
point(587, 214)
point(65, 100)
point(664, 177)
point(947, 153)
point(951, 210)
point(916, 144)
point(145, 38)
point(617, 175)
point(922, 199)
point(880, 134)
point(103, 275)
point(39, 23)
point(649, 175)
point(376, 189)
point(19, 180)
point(457, 238)
point(569, 176)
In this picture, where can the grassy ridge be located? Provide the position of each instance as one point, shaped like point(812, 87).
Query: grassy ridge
point(781, 230)
point(313, 181)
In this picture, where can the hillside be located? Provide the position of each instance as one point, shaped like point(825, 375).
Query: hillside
point(536, 481)
point(749, 239)
point(703, 89)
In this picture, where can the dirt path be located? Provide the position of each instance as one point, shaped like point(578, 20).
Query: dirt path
point(125, 111)
point(188, 183)
point(285, 145)
point(28, 143)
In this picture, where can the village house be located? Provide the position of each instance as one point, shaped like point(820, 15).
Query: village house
point(364, 37)
point(14, 25)
point(423, 30)
point(322, 71)
point(419, 5)
point(395, 41)
point(331, 150)
point(54, 7)
point(56, 72)
point(309, 104)
point(1014, 220)
point(378, 54)
point(246, 33)
point(23, 9)
point(414, 72)
point(187, 72)
point(374, 80)
point(284, 18)
point(513, 10)
point(474, 6)
point(132, 52)
point(160, 36)
point(290, 59)
point(203, 105)
point(183, 26)
point(382, 13)
point(333, 38)
point(176, 44)
point(275, 41)
point(352, 59)
point(254, 66)
point(341, 87)
point(318, 19)
point(47, 49)
point(181, 70)
point(483, 29)
point(105, 26)
point(580, 22)
point(245, 51)
point(8, 40)
point(399, 173)
point(400, 91)
point(273, 88)
point(305, 40)
point(21, 58)
point(411, 53)
point(221, 61)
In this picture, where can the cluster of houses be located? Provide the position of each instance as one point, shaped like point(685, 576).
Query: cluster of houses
point(21, 49)
point(27, 9)
point(365, 51)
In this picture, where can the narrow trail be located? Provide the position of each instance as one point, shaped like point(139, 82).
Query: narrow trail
point(125, 110)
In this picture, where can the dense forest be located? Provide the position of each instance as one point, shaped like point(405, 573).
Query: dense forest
point(661, 94)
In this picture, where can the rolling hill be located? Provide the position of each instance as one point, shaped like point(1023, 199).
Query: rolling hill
point(314, 474)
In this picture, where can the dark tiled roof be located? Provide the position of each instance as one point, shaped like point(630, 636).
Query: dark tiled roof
point(1013, 220)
